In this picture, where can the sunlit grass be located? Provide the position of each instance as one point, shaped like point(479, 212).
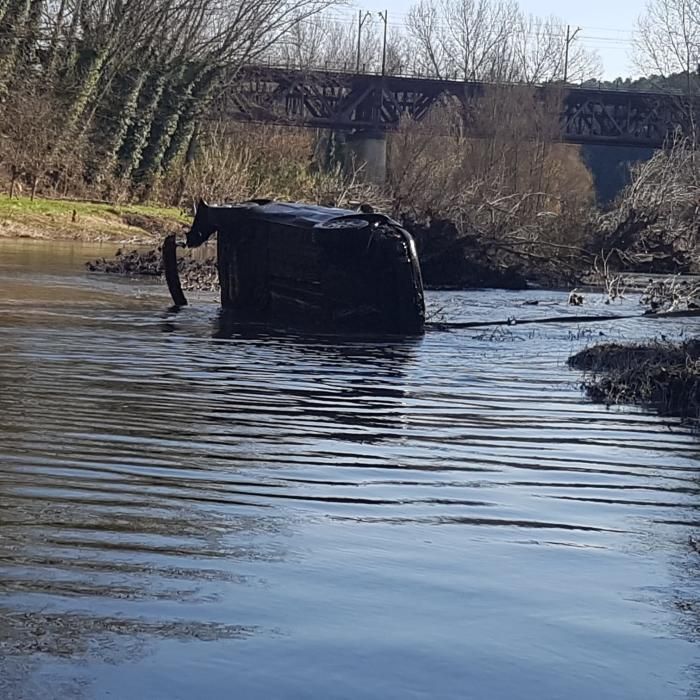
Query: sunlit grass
point(19, 206)
point(64, 218)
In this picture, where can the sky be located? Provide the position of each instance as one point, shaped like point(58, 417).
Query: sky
point(607, 26)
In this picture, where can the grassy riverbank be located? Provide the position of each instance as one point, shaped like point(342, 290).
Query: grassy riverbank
point(63, 219)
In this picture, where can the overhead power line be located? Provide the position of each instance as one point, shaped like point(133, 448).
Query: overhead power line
point(581, 37)
point(348, 21)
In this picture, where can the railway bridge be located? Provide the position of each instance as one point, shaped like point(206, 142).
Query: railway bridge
point(367, 106)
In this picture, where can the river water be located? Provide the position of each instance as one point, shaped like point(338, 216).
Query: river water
point(194, 510)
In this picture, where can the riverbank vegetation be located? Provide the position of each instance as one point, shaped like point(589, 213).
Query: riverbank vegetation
point(654, 225)
point(660, 375)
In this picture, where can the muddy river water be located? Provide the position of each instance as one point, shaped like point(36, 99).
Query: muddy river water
point(190, 509)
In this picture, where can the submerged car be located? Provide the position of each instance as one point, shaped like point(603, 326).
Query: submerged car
point(327, 268)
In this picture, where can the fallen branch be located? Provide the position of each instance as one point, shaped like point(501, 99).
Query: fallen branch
point(558, 319)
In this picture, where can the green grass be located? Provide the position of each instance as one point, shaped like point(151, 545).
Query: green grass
point(23, 205)
point(64, 218)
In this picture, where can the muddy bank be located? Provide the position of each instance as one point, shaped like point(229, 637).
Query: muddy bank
point(197, 270)
point(664, 376)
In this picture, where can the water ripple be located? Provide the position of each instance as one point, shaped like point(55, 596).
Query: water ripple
point(156, 470)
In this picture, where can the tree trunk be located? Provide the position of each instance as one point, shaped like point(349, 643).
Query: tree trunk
point(70, 59)
point(132, 150)
point(27, 54)
point(12, 27)
point(122, 110)
point(52, 51)
point(13, 181)
point(4, 7)
point(174, 103)
point(85, 92)
point(182, 138)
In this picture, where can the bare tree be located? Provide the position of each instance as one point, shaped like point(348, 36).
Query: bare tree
point(493, 41)
point(27, 136)
point(398, 52)
point(668, 40)
point(503, 182)
point(539, 49)
point(477, 39)
point(426, 31)
point(305, 45)
point(467, 39)
point(668, 46)
point(326, 42)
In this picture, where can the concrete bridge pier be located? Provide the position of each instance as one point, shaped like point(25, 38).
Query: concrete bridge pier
point(366, 155)
point(610, 167)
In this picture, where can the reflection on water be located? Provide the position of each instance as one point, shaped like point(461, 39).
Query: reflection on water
point(189, 507)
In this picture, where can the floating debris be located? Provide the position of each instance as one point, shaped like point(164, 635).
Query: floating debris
point(575, 298)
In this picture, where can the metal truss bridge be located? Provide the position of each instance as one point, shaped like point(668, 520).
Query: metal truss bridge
point(374, 104)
